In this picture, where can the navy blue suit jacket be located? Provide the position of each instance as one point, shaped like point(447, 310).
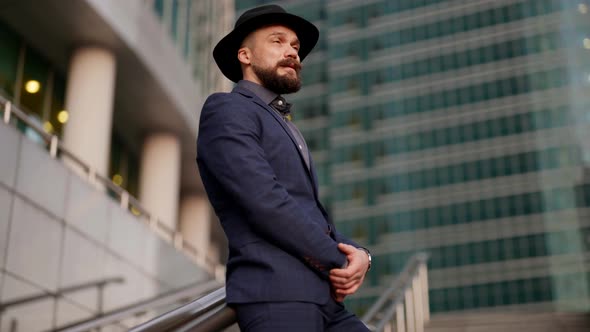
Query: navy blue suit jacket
point(282, 243)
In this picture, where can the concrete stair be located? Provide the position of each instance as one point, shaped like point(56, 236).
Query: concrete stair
point(510, 322)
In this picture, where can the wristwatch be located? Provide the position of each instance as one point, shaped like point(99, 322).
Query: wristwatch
point(368, 254)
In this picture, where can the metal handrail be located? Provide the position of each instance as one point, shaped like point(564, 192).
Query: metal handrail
point(127, 201)
point(217, 320)
point(182, 295)
point(186, 314)
point(405, 303)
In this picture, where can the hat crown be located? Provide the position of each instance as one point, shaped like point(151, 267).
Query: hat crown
point(255, 12)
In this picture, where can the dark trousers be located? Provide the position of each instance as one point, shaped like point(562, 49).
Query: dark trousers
point(297, 317)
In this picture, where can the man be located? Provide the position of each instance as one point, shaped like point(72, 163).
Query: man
point(288, 269)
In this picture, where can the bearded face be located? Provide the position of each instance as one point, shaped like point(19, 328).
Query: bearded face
point(270, 56)
point(277, 82)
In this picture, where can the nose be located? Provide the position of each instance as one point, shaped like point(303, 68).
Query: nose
point(292, 52)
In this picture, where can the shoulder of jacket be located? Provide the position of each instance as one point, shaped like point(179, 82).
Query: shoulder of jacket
point(229, 104)
point(227, 97)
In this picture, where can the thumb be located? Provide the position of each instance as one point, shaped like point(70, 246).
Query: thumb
point(346, 249)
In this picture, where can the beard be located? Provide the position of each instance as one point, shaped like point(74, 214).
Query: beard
point(270, 78)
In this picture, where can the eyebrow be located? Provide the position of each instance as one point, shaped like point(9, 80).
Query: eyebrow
point(278, 33)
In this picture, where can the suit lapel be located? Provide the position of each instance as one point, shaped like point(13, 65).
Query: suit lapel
point(314, 177)
point(285, 127)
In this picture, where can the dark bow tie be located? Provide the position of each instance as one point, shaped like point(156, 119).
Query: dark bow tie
point(281, 105)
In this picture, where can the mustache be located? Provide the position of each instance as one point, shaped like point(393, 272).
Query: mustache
point(290, 63)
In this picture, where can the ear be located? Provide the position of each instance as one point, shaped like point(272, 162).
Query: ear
point(244, 55)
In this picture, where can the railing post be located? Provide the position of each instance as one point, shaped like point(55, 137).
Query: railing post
point(178, 241)
point(202, 257)
point(91, 175)
point(410, 318)
point(125, 200)
point(399, 317)
point(418, 307)
point(53, 146)
point(153, 221)
point(404, 306)
point(13, 325)
point(100, 299)
point(7, 110)
point(423, 275)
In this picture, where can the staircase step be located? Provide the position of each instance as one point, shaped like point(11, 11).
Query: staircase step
point(510, 322)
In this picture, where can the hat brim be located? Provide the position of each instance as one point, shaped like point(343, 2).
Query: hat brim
point(225, 52)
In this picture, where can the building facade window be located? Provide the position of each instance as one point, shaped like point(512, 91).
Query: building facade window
point(32, 83)
point(10, 49)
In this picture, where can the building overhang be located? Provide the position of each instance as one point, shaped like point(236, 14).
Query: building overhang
point(154, 91)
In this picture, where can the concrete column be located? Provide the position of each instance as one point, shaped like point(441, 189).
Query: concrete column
point(159, 177)
point(213, 253)
point(195, 222)
point(89, 101)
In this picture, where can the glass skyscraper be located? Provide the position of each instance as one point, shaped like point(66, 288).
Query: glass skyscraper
point(458, 128)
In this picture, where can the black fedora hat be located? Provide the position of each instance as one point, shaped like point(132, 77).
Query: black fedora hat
point(225, 52)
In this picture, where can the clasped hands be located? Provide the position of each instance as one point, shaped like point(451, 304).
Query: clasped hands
point(347, 280)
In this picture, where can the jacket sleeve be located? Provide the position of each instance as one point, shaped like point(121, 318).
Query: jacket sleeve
point(229, 147)
point(341, 238)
